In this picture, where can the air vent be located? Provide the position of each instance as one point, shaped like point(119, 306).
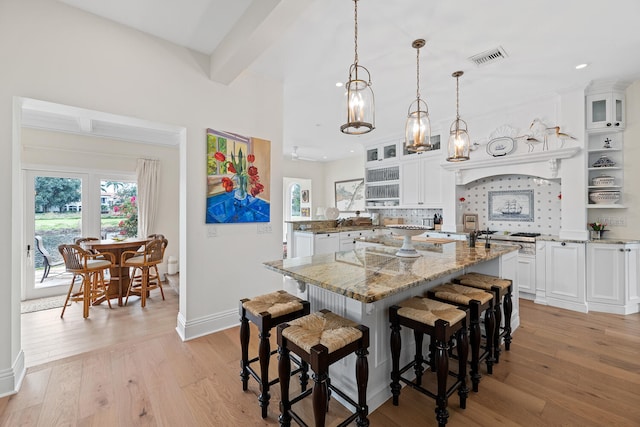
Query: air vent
point(489, 56)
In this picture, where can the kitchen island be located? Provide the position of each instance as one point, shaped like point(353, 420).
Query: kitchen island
point(362, 284)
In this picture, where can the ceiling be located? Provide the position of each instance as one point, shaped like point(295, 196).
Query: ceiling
point(309, 45)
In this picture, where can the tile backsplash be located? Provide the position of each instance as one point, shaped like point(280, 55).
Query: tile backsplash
point(546, 198)
point(410, 216)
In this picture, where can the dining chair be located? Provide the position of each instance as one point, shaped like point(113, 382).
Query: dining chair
point(151, 255)
point(91, 268)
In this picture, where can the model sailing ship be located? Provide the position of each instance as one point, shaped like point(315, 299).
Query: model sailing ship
point(511, 207)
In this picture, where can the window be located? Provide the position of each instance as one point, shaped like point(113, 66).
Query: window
point(295, 200)
point(118, 208)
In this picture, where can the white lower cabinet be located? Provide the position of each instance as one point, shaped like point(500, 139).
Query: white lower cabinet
point(302, 244)
point(348, 238)
point(612, 277)
point(527, 275)
point(565, 280)
point(326, 243)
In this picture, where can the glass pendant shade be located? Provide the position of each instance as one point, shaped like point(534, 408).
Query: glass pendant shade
point(418, 129)
point(459, 141)
point(360, 103)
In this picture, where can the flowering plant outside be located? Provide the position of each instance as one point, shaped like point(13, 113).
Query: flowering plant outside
point(244, 177)
point(128, 225)
point(597, 226)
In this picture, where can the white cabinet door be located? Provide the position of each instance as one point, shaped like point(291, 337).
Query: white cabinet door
point(605, 111)
point(633, 278)
point(565, 275)
point(432, 181)
point(326, 243)
point(606, 273)
point(411, 184)
point(541, 268)
point(421, 182)
point(303, 245)
point(527, 275)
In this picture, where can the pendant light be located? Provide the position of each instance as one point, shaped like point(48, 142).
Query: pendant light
point(360, 102)
point(418, 127)
point(458, 146)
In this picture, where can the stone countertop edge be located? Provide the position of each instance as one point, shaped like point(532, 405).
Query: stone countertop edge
point(340, 229)
point(324, 264)
point(610, 241)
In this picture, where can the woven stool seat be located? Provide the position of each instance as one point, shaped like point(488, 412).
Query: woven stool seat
point(442, 322)
point(502, 290)
point(266, 312)
point(277, 304)
point(321, 339)
point(478, 301)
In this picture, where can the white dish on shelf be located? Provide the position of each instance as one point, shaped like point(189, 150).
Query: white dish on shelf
point(603, 162)
point(332, 213)
point(604, 197)
point(603, 181)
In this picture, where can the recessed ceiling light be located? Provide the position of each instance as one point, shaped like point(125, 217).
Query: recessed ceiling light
point(352, 151)
point(339, 84)
point(581, 66)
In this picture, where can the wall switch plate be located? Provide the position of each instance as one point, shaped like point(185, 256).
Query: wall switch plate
point(212, 231)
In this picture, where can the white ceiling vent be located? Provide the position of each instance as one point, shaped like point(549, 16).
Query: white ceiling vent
point(489, 56)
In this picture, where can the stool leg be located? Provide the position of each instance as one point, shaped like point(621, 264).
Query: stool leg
point(496, 334)
point(463, 353)
point(244, 347)
point(264, 353)
point(508, 308)
point(419, 360)
point(320, 399)
point(284, 372)
point(442, 371)
point(475, 347)
point(362, 378)
point(490, 326)
point(395, 358)
point(304, 375)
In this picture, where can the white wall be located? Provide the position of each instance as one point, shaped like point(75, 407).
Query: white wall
point(69, 152)
point(341, 170)
point(56, 53)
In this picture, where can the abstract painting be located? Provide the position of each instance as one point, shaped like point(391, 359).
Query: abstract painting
point(238, 176)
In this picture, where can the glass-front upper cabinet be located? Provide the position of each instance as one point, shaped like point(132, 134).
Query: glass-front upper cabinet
point(381, 152)
point(605, 111)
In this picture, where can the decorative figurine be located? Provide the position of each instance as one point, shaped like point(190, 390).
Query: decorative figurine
point(607, 143)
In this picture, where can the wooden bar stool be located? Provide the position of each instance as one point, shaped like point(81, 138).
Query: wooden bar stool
point(477, 301)
point(502, 290)
point(321, 339)
point(442, 322)
point(266, 312)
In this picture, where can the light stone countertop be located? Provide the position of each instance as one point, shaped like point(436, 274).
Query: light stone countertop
point(612, 241)
point(374, 273)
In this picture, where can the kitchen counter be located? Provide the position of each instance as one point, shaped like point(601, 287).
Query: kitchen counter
point(333, 229)
point(374, 273)
point(612, 241)
point(362, 284)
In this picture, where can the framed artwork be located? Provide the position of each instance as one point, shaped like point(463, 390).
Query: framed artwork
point(305, 212)
point(470, 222)
point(304, 196)
point(513, 205)
point(350, 195)
point(238, 176)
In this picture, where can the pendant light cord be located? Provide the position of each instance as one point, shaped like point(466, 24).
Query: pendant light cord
point(457, 99)
point(355, 14)
point(418, 76)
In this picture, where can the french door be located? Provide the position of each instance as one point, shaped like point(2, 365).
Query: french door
point(53, 216)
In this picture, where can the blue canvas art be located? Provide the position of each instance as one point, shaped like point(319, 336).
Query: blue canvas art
point(238, 176)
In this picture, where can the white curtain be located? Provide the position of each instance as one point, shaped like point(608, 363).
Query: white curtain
point(148, 172)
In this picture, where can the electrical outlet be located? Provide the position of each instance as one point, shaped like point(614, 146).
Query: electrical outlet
point(212, 231)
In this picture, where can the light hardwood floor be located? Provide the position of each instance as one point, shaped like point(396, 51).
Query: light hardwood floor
point(564, 369)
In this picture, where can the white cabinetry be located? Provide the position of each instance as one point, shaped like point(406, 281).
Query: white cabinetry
point(527, 275)
point(612, 277)
point(605, 110)
point(379, 153)
point(565, 275)
point(421, 182)
point(382, 186)
point(611, 177)
point(348, 238)
point(326, 243)
point(302, 245)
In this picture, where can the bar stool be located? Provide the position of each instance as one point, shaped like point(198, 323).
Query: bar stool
point(477, 301)
point(442, 322)
point(321, 339)
point(502, 290)
point(267, 311)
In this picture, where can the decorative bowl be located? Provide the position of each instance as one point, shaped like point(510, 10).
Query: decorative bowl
point(603, 181)
point(603, 162)
point(604, 197)
point(407, 230)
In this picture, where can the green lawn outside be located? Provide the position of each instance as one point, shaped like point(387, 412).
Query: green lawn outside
point(65, 221)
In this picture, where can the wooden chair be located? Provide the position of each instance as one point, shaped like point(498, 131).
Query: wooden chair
point(47, 259)
point(151, 255)
point(91, 268)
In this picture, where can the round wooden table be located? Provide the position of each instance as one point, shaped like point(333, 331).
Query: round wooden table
point(119, 282)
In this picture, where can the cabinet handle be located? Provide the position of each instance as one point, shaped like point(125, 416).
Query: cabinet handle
point(621, 250)
point(628, 250)
point(563, 243)
point(617, 124)
point(609, 124)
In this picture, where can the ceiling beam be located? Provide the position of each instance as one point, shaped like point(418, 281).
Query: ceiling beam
point(262, 24)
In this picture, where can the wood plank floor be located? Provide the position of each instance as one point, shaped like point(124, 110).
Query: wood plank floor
point(564, 369)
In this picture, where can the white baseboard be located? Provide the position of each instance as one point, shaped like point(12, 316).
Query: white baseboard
point(190, 329)
point(11, 379)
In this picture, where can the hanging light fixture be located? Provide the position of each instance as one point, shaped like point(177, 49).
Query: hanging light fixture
point(418, 127)
point(360, 102)
point(458, 146)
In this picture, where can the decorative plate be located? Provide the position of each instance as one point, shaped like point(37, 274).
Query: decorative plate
point(332, 213)
point(501, 146)
point(604, 162)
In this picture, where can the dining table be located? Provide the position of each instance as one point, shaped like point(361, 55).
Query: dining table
point(119, 276)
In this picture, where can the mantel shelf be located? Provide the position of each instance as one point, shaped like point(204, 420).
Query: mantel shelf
point(546, 161)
